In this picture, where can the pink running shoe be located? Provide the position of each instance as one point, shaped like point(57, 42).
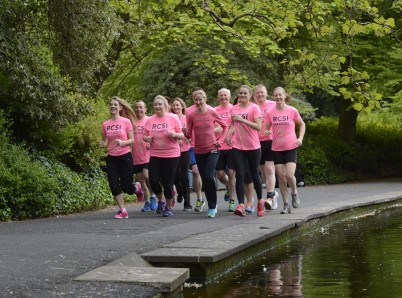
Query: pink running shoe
point(139, 193)
point(121, 214)
point(261, 210)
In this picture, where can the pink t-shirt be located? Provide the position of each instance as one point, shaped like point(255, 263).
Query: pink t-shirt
point(244, 137)
point(140, 150)
point(190, 110)
point(224, 112)
point(283, 128)
point(201, 128)
point(265, 107)
point(158, 128)
point(114, 130)
point(185, 143)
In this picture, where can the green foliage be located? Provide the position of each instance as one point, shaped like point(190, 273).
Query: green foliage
point(50, 54)
point(178, 69)
point(77, 192)
point(40, 187)
point(324, 152)
point(77, 145)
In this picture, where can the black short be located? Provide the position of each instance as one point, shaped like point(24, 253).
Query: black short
point(139, 168)
point(284, 157)
point(266, 152)
point(225, 159)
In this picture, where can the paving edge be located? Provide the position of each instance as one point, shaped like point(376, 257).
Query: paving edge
point(208, 255)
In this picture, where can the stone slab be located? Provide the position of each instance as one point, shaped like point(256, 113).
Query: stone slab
point(165, 279)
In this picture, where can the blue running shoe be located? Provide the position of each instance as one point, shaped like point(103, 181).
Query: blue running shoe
point(167, 212)
point(147, 207)
point(153, 202)
point(250, 206)
point(212, 212)
point(161, 207)
point(226, 197)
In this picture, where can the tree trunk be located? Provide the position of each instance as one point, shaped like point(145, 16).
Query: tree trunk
point(347, 121)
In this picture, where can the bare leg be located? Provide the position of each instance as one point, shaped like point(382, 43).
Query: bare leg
point(120, 200)
point(141, 177)
point(283, 183)
point(290, 176)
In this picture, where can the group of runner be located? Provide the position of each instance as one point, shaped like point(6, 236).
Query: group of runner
point(233, 142)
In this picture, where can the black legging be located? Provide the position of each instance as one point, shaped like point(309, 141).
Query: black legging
point(162, 171)
point(240, 159)
point(181, 179)
point(120, 173)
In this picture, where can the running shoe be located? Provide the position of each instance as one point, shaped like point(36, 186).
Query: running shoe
point(231, 206)
point(138, 192)
point(147, 207)
point(153, 202)
point(250, 206)
point(167, 212)
point(226, 197)
point(121, 214)
point(286, 209)
point(212, 212)
point(275, 201)
point(187, 208)
point(240, 211)
point(260, 210)
point(271, 203)
point(199, 205)
point(179, 198)
point(295, 200)
point(161, 207)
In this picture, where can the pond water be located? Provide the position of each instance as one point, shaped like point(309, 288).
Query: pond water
point(359, 257)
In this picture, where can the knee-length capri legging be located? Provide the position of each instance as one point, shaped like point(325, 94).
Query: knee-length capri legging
point(162, 172)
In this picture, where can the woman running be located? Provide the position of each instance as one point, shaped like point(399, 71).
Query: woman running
point(246, 122)
point(281, 122)
point(201, 127)
point(117, 136)
point(162, 131)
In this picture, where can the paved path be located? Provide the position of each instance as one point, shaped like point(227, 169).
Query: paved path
point(41, 258)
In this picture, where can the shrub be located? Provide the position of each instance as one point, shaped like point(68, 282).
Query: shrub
point(26, 190)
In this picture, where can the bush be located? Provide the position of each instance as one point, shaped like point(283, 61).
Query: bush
point(77, 145)
point(325, 158)
point(33, 186)
point(26, 190)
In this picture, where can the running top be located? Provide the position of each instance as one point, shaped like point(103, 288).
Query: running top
point(114, 130)
point(265, 107)
point(201, 128)
point(225, 115)
point(283, 128)
point(244, 137)
point(158, 128)
point(140, 150)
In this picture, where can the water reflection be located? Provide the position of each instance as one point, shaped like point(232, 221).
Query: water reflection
point(356, 258)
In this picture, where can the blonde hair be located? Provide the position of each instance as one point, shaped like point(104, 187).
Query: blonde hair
point(287, 97)
point(202, 92)
point(164, 100)
point(224, 90)
point(126, 110)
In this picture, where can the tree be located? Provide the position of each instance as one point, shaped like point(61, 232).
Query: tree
point(49, 53)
